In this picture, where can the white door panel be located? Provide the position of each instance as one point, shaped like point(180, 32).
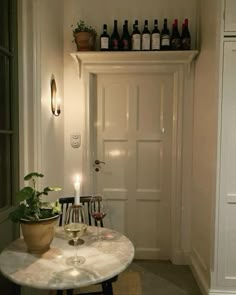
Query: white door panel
point(227, 214)
point(134, 139)
point(230, 16)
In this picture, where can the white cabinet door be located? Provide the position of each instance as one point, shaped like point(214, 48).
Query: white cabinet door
point(227, 213)
point(134, 139)
point(230, 17)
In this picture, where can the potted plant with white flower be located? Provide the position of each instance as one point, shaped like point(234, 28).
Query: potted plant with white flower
point(37, 218)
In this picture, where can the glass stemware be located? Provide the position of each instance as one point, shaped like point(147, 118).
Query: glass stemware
point(98, 210)
point(75, 227)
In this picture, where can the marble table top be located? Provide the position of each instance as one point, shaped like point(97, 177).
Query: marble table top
point(104, 259)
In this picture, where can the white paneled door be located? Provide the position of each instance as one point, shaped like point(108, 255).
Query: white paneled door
point(134, 122)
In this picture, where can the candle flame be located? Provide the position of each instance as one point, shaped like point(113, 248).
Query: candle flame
point(77, 178)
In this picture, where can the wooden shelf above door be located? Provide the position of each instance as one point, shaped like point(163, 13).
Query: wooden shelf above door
point(119, 59)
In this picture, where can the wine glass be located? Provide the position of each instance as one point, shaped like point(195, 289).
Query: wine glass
point(98, 209)
point(75, 227)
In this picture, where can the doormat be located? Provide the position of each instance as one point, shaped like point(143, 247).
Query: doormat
point(128, 283)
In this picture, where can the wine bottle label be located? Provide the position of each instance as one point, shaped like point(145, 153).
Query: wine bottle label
point(165, 40)
point(125, 44)
point(115, 44)
point(146, 41)
point(136, 42)
point(104, 43)
point(155, 41)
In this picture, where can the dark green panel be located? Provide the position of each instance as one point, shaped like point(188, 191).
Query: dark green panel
point(14, 105)
point(4, 93)
point(9, 235)
point(5, 170)
point(4, 23)
point(9, 123)
point(8, 231)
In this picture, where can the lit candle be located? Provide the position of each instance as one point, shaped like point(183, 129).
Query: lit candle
point(77, 190)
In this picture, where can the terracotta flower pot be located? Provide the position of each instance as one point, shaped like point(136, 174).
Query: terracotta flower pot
point(38, 235)
point(85, 41)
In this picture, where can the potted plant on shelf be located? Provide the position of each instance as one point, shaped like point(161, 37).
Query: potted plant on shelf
point(84, 36)
point(37, 218)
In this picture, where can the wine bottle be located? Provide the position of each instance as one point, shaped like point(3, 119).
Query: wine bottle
point(165, 36)
point(146, 37)
point(175, 37)
point(115, 38)
point(136, 37)
point(125, 38)
point(104, 39)
point(185, 37)
point(155, 40)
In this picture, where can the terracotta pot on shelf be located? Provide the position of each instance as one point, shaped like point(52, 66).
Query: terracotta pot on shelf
point(38, 235)
point(85, 41)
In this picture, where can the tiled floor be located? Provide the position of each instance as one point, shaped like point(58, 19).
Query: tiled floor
point(164, 278)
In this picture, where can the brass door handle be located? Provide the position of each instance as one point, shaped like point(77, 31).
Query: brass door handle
point(98, 162)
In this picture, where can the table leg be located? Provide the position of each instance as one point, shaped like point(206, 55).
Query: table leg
point(68, 292)
point(16, 289)
point(107, 288)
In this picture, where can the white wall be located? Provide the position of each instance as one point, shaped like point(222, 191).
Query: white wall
point(25, 69)
point(55, 141)
point(41, 55)
point(51, 62)
point(96, 13)
point(205, 141)
point(55, 157)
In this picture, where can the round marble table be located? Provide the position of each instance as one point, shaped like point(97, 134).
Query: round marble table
point(104, 259)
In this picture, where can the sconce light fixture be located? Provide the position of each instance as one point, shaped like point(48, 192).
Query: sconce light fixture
point(55, 101)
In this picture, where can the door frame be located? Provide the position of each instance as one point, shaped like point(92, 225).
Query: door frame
point(181, 72)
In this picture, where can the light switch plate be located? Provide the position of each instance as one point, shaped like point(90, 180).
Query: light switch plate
point(75, 140)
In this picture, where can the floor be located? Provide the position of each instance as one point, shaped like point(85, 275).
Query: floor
point(156, 277)
point(163, 278)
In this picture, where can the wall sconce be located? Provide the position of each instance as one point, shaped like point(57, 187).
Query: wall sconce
point(55, 101)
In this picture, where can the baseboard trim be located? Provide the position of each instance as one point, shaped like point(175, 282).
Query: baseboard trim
point(180, 258)
point(149, 253)
point(220, 292)
point(199, 274)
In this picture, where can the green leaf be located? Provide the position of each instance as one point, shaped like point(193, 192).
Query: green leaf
point(46, 213)
point(50, 189)
point(55, 189)
point(24, 194)
point(46, 205)
point(33, 174)
point(56, 208)
point(19, 213)
point(47, 189)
